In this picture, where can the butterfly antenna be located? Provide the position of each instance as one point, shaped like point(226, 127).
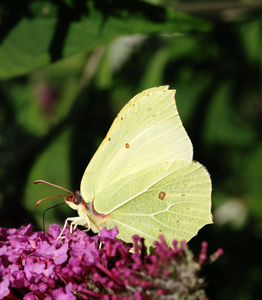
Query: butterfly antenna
point(42, 200)
point(49, 183)
point(54, 185)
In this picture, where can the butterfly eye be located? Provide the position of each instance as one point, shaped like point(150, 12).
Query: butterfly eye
point(77, 199)
point(74, 198)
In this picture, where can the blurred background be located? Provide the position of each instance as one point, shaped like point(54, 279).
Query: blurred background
point(67, 68)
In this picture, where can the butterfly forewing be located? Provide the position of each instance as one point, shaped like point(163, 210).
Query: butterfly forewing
point(126, 108)
point(147, 131)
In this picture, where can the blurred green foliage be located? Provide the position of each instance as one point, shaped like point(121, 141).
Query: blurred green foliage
point(68, 67)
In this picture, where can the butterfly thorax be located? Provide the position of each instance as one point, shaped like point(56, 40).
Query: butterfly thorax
point(86, 210)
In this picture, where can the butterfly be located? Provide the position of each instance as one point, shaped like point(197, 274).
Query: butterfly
point(143, 178)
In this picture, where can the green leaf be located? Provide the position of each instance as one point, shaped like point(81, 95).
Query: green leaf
point(223, 124)
point(252, 176)
point(52, 34)
point(52, 165)
point(48, 97)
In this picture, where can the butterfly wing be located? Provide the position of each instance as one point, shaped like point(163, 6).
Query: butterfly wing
point(172, 198)
point(147, 131)
point(125, 109)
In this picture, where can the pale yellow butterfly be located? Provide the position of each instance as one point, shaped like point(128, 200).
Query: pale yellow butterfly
point(142, 178)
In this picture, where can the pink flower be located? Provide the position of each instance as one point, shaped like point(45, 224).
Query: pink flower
point(35, 265)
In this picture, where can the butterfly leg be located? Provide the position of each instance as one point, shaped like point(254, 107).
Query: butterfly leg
point(74, 222)
point(64, 227)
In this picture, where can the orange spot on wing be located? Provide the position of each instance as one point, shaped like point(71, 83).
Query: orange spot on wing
point(161, 195)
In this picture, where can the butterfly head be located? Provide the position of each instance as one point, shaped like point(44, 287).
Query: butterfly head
point(74, 200)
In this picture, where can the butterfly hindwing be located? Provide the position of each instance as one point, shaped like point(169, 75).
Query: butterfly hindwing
point(171, 198)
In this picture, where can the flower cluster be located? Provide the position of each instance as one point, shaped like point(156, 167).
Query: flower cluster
point(35, 265)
